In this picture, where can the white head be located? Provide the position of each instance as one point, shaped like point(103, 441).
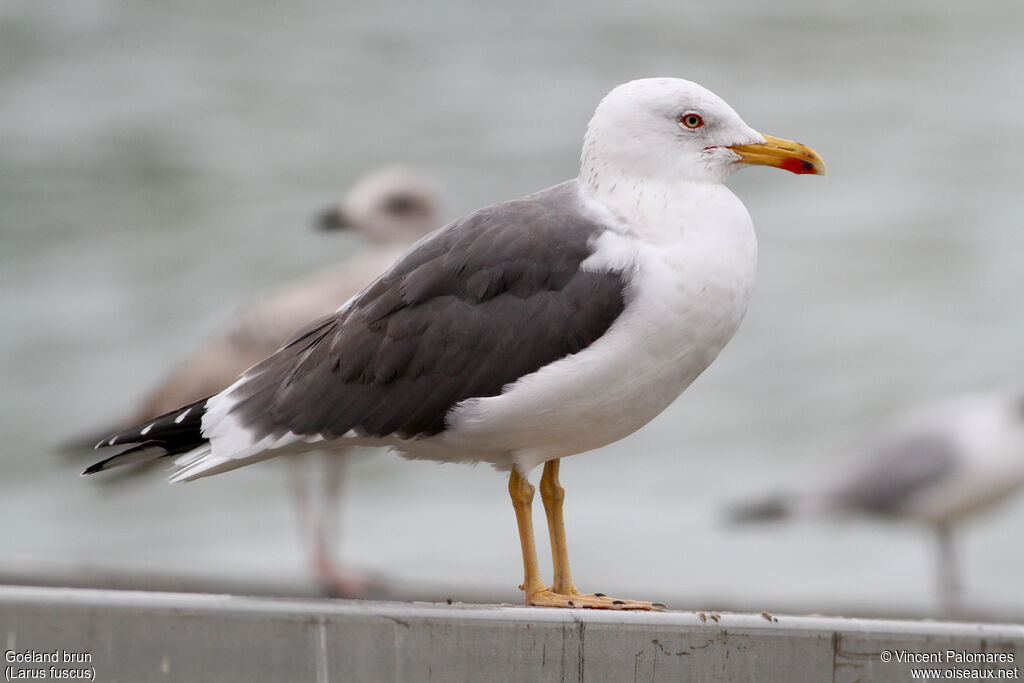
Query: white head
point(393, 204)
point(675, 130)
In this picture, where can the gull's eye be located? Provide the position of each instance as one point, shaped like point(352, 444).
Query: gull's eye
point(691, 120)
point(400, 204)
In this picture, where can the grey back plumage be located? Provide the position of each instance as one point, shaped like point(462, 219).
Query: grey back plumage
point(503, 286)
point(888, 480)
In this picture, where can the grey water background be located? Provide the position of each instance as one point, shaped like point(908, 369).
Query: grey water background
point(159, 164)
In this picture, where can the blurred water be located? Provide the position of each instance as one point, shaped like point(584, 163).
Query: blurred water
point(161, 160)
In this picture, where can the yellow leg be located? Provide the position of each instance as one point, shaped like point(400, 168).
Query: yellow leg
point(562, 593)
point(552, 494)
point(522, 500)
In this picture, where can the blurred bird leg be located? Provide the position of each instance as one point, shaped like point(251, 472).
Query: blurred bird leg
point(318, 515)
point(949, 577)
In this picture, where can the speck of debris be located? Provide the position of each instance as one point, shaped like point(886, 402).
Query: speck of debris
point(449, 601)
point(716, 617)
point(661, 647)
point(703, 617)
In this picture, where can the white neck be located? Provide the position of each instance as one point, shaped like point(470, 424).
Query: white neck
point(658, 210)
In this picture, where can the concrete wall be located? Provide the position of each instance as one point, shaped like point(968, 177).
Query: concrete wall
point(136, 636)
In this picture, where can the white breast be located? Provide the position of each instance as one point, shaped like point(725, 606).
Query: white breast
point(989, 438)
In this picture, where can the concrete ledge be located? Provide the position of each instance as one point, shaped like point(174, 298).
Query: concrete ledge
point(139, 636)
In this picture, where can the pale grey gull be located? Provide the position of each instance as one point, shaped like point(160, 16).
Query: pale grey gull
point(938, 465)
point(389, 209)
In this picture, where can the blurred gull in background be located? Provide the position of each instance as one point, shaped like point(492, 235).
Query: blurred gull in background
point(937, 465)
point(391, 208)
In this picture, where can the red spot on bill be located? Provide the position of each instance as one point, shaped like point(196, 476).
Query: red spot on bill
point(798, 166)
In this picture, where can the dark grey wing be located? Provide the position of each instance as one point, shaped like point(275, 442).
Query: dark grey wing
point(897, 471)
point(474, 307)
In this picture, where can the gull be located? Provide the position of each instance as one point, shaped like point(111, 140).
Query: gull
point(390, 208)
point(525, 332)
point(937, 464)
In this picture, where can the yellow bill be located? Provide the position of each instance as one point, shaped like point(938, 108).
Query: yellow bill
point(785, 154)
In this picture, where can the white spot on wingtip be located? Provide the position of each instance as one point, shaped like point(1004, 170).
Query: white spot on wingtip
point(145, 430)
point(181, 417)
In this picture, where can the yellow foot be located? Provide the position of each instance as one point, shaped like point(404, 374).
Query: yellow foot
point(547, 598)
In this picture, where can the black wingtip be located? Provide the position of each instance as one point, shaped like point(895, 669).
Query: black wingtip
point(172, 433)
point(100, 466)
point(147, 451)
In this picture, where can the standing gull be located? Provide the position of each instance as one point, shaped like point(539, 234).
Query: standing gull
point(390, 209)
point(525, 332)
point(937, 465)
